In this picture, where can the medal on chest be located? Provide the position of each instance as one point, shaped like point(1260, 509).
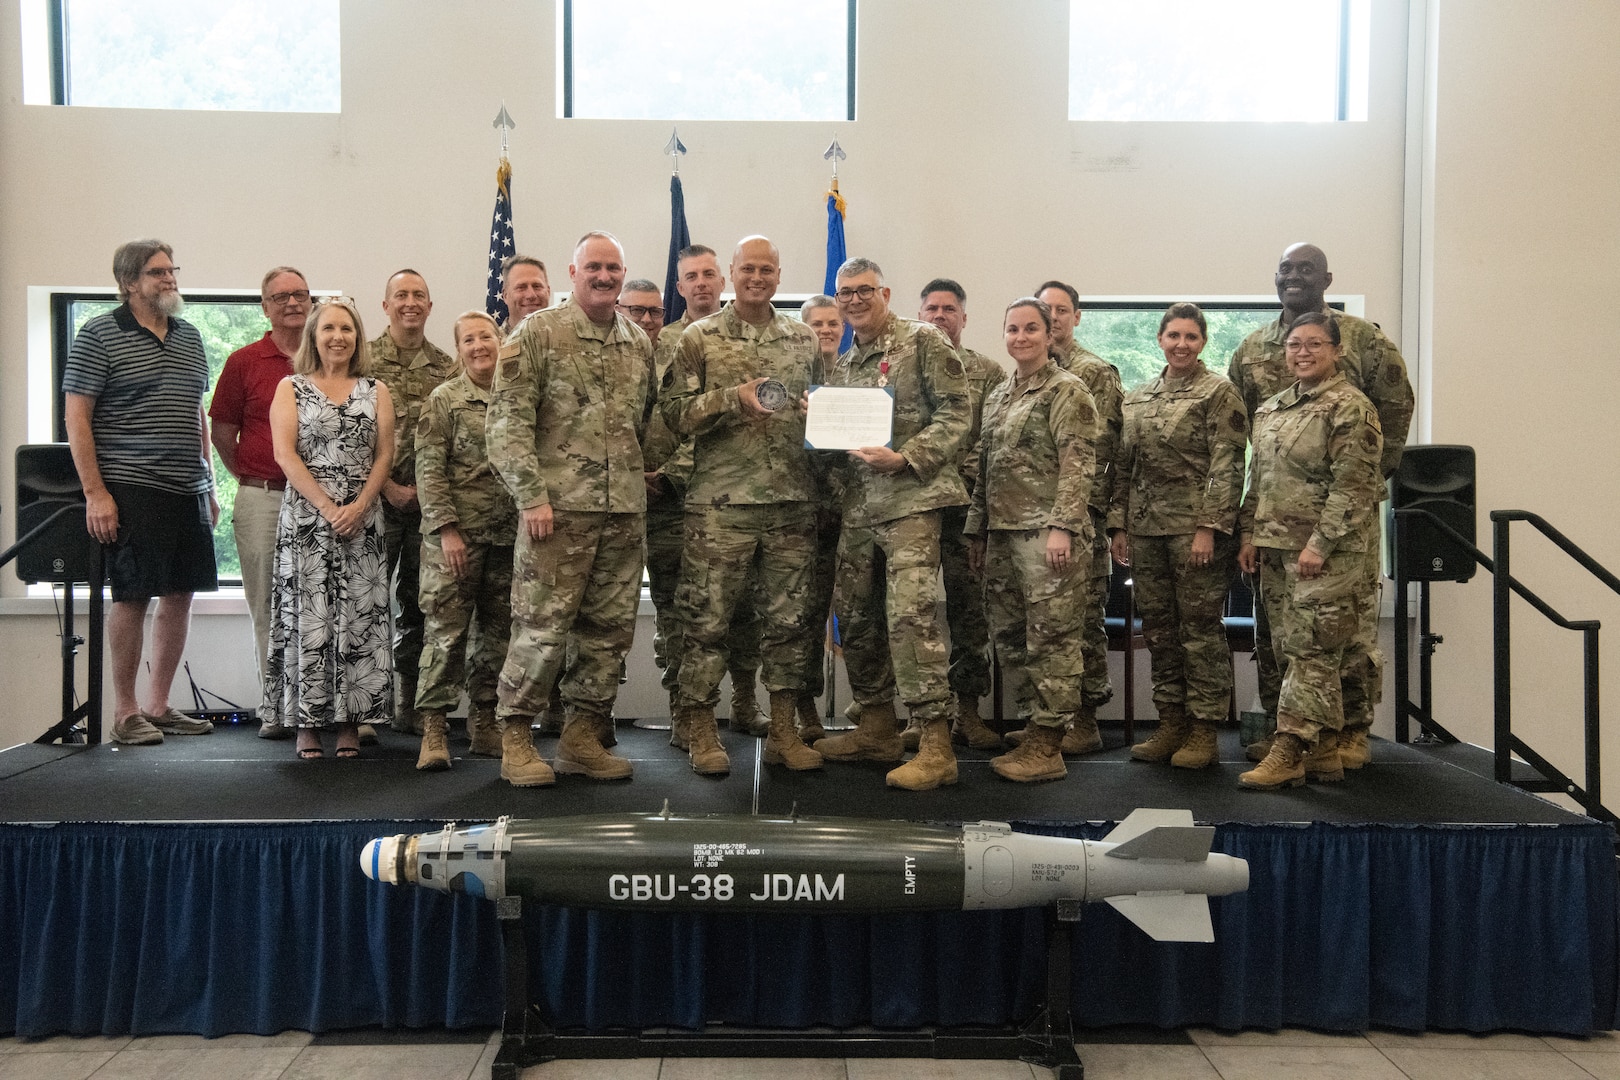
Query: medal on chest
point(883, 373)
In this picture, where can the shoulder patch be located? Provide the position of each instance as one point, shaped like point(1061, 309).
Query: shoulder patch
point(510, 351)
point(424, 426)
point(953, 365)
point(1237, 420)
point(509, 368)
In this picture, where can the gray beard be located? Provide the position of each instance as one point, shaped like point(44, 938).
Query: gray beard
point(170, 303)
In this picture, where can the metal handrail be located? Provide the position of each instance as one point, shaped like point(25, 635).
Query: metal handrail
point(1507, 744)
point(1504, 583)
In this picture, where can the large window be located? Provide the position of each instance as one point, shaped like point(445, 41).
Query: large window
point(226, 323)
point(195, 54)
point(1299, 60)
point(1126, 334)
point(708, 60)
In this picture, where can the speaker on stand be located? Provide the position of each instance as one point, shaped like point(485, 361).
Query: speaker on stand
point(1430, 532)
point(53, 545)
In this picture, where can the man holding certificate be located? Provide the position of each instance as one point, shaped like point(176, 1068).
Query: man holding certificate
point(733, 389)
point(888, 556)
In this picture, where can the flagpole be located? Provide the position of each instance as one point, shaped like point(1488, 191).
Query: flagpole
point(502, 237)
point(679, 237)
point(836, 210)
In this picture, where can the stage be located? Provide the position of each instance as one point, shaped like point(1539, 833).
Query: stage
point(210, 885)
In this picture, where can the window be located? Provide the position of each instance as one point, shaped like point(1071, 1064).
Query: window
point(1291, 60)
point(1125, 333)
point(226, 323)
point(708, 60)
point(195, 54)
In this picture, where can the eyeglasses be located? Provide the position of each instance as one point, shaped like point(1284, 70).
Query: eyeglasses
point(159, 272)
point(636, 311)
point(344, 301)
point(865, 292)
point(1296, 345)
point(280, 299)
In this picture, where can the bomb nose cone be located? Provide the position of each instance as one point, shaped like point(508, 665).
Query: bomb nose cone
point(378, 859)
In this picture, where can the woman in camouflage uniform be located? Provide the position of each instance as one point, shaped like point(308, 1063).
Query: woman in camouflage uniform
point(1174, 514)
point(469, 524)
point(1310, 527)
point(1030, 530)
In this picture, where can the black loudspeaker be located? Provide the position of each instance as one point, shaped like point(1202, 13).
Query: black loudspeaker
point(46, 483)
point(1439, 480)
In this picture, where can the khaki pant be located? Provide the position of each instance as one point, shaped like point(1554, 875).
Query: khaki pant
point(253, 523)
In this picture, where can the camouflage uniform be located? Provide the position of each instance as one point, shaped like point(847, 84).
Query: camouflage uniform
point(1181, 470)
point(671, 457)
point(1036, 467)
point(829, 524)
point(1370, 363)
point(964, 590)
point(750, 525)
point(569, 411)
point(1107, 393)
point(1316, 483)
point(887, 583)
point(457, 486)
point(410, 377)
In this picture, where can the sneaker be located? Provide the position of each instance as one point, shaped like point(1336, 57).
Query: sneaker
point(175, 722)
point(269, 729)
point(135, 730)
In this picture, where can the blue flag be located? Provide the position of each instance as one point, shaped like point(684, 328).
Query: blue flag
point(679, 240)
point(835, 250)
point(502, 243)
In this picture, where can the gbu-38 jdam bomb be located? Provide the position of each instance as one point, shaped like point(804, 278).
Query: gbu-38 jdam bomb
point(1156, 867)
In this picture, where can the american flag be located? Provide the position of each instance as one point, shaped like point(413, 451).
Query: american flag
point(501, 241)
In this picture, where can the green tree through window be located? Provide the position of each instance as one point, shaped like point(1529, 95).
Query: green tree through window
point(1127, 337)
point(225, 326)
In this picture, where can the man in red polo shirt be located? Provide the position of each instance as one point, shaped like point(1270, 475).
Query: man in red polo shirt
point(241, 433)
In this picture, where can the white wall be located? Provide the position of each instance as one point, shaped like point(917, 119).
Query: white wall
point(1523, 273)
point(961, 163)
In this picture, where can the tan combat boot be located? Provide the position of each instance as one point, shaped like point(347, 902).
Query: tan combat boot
point(970, 728)
point(484, 731)
point(1355, 752)
point(810, 728)
point(1323, 764)
point(935, 763)
point(1037, 757)
point(745, 707)
point(1173, 731)
point(520, 765)
point(784, 745)
point(911, 737)
point(1284, 765)
point(580, 751)
point(703, 747)
point(677, 724)
point(1083, 736)
point(877, 738)
point(435, 753)
point(1200, 750)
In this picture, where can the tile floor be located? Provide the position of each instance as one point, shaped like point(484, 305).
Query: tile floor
point(1196, 1054)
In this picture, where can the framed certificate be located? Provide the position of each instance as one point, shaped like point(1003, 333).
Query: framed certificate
point(849, 417)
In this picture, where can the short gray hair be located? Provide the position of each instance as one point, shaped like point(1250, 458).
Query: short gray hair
point(859, 265)
point(820, 300)
point(275, 272)
point(640, 284)
point(131, 258)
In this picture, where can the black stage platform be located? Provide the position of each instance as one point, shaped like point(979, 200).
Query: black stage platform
point(232, 775)
point(211, 885)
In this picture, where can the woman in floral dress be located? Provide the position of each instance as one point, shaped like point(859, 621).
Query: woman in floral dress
point(331, 661)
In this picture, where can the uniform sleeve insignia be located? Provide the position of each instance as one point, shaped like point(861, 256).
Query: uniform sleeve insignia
point(424, 426)
point(510, 351)
point(1238, 421)
point(509, 368)
point(953, 365)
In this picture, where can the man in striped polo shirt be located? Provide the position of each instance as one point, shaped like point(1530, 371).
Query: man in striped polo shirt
point(133, 389)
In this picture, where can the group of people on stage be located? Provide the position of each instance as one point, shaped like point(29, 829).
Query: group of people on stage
point(505, 500)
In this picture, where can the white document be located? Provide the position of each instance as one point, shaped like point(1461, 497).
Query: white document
point(849, 417)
